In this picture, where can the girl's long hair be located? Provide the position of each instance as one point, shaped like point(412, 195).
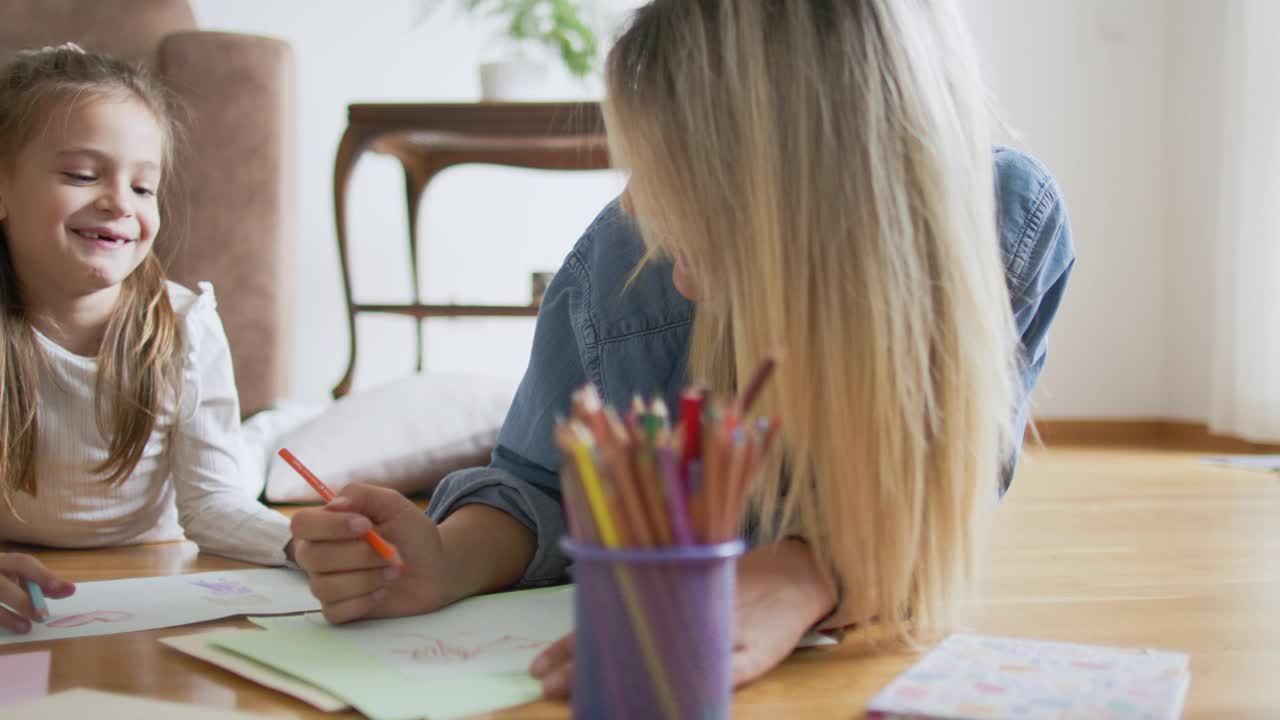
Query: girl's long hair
point(139, 361)
point(824, 169)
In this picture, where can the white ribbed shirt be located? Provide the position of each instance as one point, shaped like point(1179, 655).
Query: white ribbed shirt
point(189, 478)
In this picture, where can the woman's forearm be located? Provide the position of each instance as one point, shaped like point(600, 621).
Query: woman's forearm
point(485, 549)
point(787, 570)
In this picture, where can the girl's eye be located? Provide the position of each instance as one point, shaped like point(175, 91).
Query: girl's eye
point(144, 191)
point(79, 177)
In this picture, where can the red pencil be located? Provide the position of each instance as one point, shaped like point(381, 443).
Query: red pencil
point(376, 541)
point(691, 419)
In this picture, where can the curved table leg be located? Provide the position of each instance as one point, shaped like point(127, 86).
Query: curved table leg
point(416, 177)
point(353, 143)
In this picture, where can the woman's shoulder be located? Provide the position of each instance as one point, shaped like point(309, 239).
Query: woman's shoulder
point(1019, 172)
point(1026, 192)
point(1032, 218)
point(622, 301)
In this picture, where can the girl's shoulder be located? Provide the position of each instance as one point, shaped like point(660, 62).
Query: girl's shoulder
point(186, 301)
point(197, 314)
point(206, 365)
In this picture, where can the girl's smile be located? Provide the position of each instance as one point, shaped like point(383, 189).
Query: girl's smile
point(103, 237)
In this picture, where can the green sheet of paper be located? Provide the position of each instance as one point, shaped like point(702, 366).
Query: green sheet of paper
point(320, 657)
point(470, 657)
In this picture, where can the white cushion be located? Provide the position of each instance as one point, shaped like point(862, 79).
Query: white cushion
point(405, 435)
point(260, 437)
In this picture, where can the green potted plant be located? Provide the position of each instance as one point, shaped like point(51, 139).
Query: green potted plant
point(533, 34)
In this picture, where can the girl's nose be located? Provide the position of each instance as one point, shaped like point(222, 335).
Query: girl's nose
point(115, 202)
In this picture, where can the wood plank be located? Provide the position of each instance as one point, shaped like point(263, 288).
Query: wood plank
point(1139, 433)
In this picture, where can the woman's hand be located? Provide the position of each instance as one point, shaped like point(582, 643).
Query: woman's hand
point(476, 549)
point(780, 596)
point(16, 610)
point(353, 582)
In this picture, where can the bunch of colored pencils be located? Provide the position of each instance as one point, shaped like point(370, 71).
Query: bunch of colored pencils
point(640, 482)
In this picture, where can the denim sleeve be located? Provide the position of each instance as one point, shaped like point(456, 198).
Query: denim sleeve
point(522, 478)
point(1039, 257)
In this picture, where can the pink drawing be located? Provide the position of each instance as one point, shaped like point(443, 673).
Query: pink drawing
point(989, 688)
point(431, 649)
point(913, 692)
point(223, 587)
point(102, 616)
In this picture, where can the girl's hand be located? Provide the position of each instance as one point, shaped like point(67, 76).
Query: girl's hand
point(350, 580)
point(16, 611)
point(780, 596)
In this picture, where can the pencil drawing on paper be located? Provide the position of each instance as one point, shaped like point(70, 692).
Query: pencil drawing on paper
point(230, 593)
point(79, 619)
point(434, 650)
point(223, 587)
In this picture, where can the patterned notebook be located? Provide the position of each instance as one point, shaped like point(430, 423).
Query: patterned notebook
point(969, 677)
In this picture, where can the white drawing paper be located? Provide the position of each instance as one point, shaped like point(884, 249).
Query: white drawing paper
point(119, 606)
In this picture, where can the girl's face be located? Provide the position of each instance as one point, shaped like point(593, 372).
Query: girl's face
point(78, 204)
point(680, 275)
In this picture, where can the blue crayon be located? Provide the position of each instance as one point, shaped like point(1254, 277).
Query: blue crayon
point(37, 599)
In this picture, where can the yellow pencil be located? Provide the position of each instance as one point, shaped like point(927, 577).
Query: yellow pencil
point(608, 533)
point(595, 494)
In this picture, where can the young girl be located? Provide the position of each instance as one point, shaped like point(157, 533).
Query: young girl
point(817, 174)
point(118, 408)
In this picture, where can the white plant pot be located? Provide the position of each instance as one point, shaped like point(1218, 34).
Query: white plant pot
point(513, 80)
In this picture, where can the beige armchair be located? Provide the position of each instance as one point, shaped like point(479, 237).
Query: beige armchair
point(233, 217)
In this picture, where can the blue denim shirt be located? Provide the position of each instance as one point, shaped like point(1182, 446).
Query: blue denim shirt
point(635, 339)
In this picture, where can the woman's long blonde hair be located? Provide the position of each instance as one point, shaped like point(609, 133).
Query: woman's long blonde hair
point(824, 169)
point(140, 358)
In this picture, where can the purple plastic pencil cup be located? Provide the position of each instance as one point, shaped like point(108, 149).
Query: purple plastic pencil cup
point(654, 631)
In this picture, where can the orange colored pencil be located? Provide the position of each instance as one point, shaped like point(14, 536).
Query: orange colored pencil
point(735, 469)
point(376, 541)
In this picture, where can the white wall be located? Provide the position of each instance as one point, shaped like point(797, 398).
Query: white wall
point(1082, 82)
point(1194, 55)
point(1105, 92)
point(483, 229)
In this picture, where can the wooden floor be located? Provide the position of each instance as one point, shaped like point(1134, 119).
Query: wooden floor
point(1110, 546)
point(1184, 556)
point(1135, 548)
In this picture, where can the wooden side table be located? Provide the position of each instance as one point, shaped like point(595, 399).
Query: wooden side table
point(428, 138)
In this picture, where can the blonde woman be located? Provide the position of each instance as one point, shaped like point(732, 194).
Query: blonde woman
point(814, 173)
